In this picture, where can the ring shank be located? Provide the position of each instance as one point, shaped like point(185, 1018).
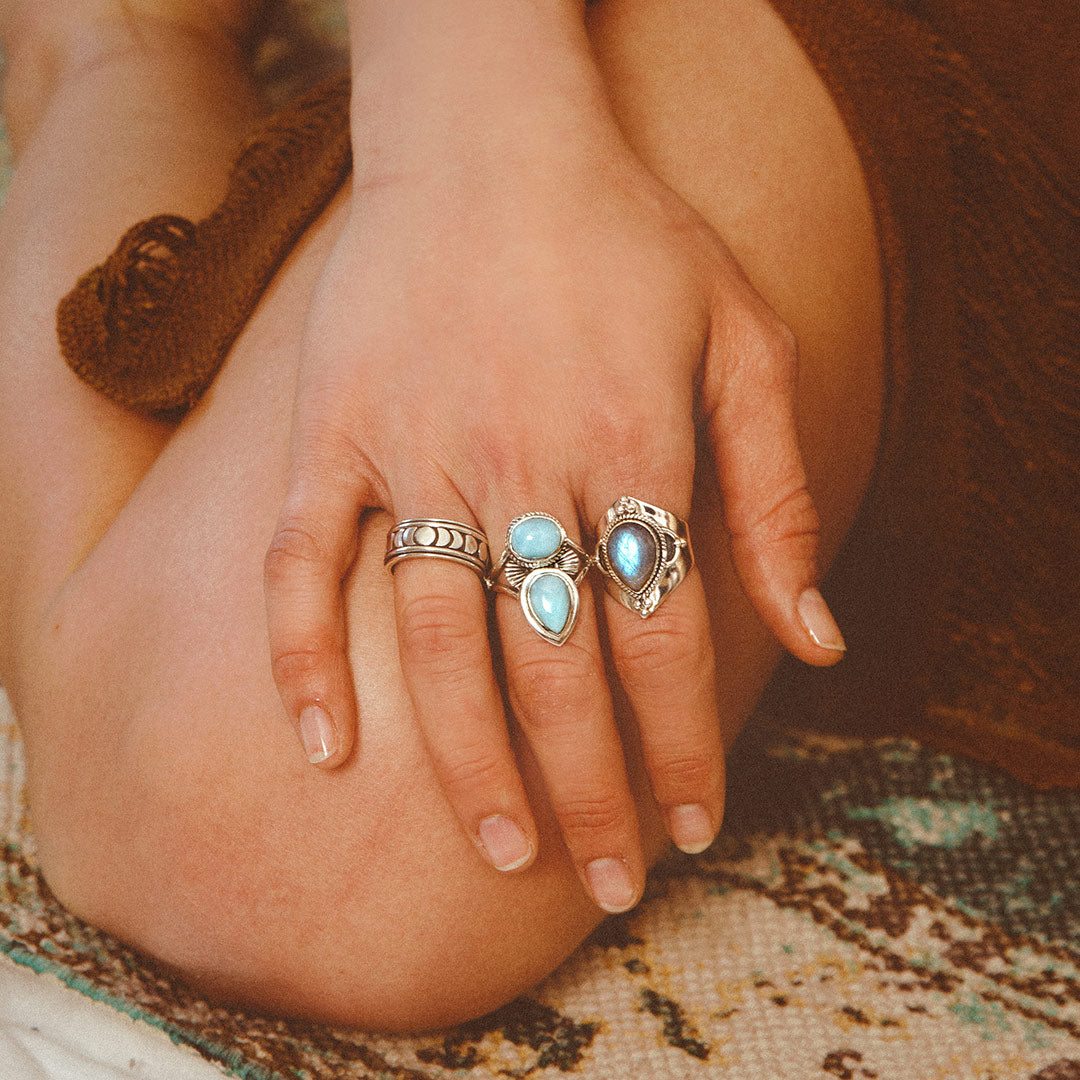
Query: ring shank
point(436, 538)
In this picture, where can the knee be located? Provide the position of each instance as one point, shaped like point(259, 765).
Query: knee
point(351, 898)
point(350, 933)
point(174, 809)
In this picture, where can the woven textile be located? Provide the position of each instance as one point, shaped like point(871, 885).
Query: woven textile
point(873, 909)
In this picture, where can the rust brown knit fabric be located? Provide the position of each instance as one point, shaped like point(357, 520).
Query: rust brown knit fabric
point(152, 325)
point(959, 589)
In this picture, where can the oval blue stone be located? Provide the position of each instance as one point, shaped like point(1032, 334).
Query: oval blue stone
point(535, 538)
point(632, 551)
point(549, 601)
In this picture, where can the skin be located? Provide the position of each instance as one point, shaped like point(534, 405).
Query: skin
point(135, 640)
point(493, 187)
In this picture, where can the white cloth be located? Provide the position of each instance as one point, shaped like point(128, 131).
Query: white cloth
point(50, 1032)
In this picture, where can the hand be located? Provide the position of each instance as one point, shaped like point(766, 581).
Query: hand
point(515, 318)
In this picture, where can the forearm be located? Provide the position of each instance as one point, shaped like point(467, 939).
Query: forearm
point(168, 48)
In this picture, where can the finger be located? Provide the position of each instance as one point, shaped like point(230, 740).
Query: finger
point(313, 546)
point(666, 664)
point(749, 396)
point(446, 661)
point(562, 703)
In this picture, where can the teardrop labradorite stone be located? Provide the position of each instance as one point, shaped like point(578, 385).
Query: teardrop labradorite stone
point(549, 601)
point(631, 549)
point(535, 538)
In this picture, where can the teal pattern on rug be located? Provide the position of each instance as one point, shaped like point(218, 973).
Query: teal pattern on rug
point(966, 830)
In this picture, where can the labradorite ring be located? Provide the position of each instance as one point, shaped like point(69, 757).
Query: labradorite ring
point(437, 539)
point(643, 552)
point(541, 566)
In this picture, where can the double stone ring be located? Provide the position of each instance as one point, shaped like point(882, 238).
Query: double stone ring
point(542, 567)
point(643, 551)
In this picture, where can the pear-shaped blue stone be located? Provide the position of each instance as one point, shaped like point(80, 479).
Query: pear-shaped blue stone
point(549, 601)
point(535, 538)
point(631, 549)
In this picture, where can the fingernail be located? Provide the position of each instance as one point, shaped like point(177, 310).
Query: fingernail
point(609, 881)
point(819, 623)
point(317, 734)
point(691, 828)
point(506, 845)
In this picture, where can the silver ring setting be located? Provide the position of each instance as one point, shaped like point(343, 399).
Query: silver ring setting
point(434, 538)
point(542, 568)
point(643, 552)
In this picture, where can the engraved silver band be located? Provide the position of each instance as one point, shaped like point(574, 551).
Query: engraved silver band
point(434, 538)
point(643, 552)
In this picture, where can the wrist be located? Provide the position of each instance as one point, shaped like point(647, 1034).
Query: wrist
point(387, 27)
point(463, 76)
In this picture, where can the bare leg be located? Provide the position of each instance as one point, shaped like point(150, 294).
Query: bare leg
point(131, 597)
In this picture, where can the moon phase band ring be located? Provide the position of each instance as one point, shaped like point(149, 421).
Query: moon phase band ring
point(542, 567)
point(438, 539)
point(643, 552)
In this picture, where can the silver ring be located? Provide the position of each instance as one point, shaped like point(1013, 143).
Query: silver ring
point(643, 552)
point(433, 538)
point(542, 567)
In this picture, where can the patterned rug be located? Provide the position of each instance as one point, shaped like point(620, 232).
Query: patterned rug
point(873, 909)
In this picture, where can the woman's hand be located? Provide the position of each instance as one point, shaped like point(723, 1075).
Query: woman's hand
point(519, 317)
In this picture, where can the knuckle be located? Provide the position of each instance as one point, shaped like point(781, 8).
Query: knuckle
point(688, 773)
point(553, 689)
point(332, 435)
point(767, 344)
point(466, 769)
point(651, 449)
point(793, 517)
point(616, 423)
point(293, 550)
point(661, 648)
point(299, 661)
point(438, 633)
point(590, 815)
point(767, 333)
point(498, 452)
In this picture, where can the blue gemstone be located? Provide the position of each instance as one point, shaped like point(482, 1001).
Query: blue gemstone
point(535, 538)
point(549, 601)
point(632, 551)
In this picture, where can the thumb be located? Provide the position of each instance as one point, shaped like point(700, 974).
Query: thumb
point(749, 385)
